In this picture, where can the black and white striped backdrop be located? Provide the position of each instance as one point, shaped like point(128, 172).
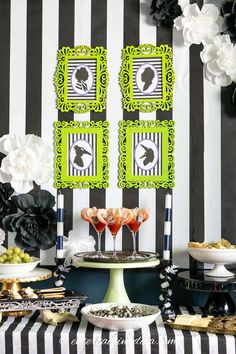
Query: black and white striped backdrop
point(31, 32)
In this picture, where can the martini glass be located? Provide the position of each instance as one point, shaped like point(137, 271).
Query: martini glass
point(91, 215)
point(139, 216)
point(117, 217)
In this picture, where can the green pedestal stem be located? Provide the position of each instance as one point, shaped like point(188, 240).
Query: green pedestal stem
point(116, 291)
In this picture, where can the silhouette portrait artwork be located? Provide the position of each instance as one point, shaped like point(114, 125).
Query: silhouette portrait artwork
point(80, 151)
point(147, 77)
point(148, 155)
point(82, 76)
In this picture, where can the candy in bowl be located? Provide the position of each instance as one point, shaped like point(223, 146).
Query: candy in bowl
point(121, 317)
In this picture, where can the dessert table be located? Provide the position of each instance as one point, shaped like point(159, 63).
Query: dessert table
point(28, 335)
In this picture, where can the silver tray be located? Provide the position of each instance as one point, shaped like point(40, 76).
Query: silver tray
point(73, 299)
point(122, 257)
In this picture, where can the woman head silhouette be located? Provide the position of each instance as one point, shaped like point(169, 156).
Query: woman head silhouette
point(82, 76)
point(147, 76)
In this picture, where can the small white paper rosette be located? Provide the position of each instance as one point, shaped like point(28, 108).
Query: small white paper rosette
point(76, 243)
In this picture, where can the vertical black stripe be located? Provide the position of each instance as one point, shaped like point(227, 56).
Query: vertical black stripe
point(164, 36)
point(25, 332)
point(89, 338)
point(66, 39)
point(121, 342)
point(228, 164)
point(34, 73)
point(34, 67)
point(131, 37)
point(73, 332)
point(4, 71)
point(9, 335)
point(4, 65)
point(98, 38)
point(154, 338)
point(196, 147)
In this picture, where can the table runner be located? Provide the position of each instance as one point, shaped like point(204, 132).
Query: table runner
point(28, 335)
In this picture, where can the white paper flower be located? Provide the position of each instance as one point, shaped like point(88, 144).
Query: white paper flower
point(199, 26)
point(219, 58)
point(75, 244)
point(2, 238)
point(28, 159)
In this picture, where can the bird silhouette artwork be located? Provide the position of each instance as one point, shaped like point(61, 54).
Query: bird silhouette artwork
point(148, 155)
point(80, 151)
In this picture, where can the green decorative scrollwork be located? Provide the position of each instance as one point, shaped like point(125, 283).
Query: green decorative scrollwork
point(76, 102)
point(163, 131)
point(128, 78)
point(64, 131)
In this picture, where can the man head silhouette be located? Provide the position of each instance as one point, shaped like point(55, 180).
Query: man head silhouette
point(147, 77)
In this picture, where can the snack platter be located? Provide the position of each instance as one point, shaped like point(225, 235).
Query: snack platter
point(64, 300)
point(209, 329)
point(122, 257)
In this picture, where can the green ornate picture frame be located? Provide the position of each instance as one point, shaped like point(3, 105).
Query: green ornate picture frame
point(81, 79)
point(146, 154)
point(147, 78)
point(81, 154)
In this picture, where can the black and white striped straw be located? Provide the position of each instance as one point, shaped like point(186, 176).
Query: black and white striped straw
point(167, 227)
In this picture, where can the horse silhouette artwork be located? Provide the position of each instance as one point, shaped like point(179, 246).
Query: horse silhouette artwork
point(147, 77)
point(82, 76)
point(148, 155)
point(80, 151)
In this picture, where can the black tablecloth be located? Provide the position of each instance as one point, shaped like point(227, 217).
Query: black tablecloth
point(28, 335)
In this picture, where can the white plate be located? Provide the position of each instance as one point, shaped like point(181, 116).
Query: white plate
point(218, 257)
point(121, 324)
point(19, 268)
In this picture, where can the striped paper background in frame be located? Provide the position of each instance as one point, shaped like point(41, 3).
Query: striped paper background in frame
point(32, 31)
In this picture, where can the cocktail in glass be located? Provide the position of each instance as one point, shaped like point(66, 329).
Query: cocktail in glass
point(139, 216)
point(91, 215)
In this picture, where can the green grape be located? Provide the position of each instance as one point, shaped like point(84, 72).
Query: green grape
point(18, 259)
point(12, 261)
point(1, 260)
point(17, 250)
point(9, 251)
point(10, 256)
point(11, 248)
point(6, 262)
point(21, 254)
point(4, 256)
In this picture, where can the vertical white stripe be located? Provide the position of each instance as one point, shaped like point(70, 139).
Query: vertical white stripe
point(50, 14)
point(82, 37)
point(146, 339)
point(212, 160)
point(18, 67)
point(114, 106)
point(213, 343)
point(3, 329)
point(147, 197)
point(180, 229)
point(65, 340)
point(113, 340)
point(162, 342)
point(129, 342)
point(80, 338)
point(230, 344)
point(48, 336)
point(97, 340)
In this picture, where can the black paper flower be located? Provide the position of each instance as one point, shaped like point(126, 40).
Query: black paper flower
point(35, 221)
point(7, 206)
point(165, 11)
point(228, 10)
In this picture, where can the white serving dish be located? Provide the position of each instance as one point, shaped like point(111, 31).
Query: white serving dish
point(19, 268)
point(121, 324)
point(218, 257)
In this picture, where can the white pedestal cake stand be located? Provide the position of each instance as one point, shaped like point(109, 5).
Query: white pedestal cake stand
point(116, 291)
